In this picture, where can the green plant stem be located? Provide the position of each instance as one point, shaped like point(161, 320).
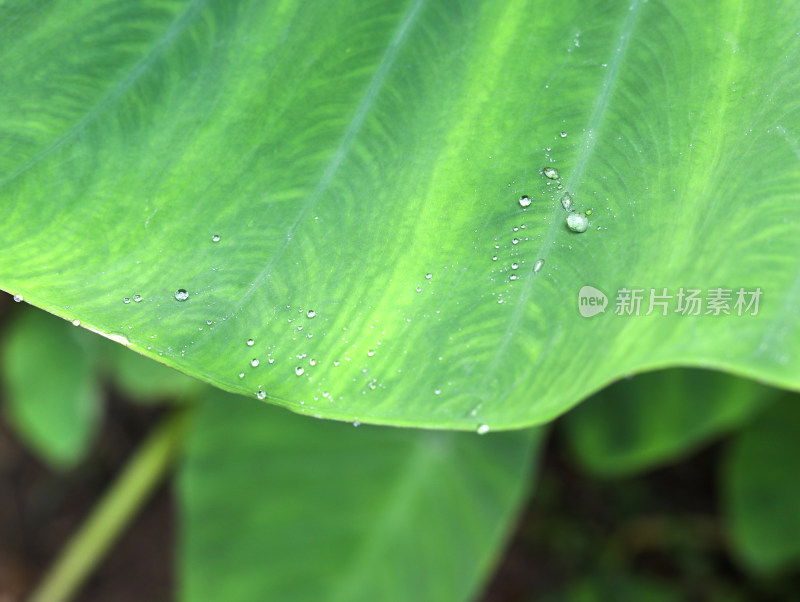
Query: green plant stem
point(114, 512)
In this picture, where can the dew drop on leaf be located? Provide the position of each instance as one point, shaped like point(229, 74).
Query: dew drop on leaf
point(180, 295)
point(514, 266)
point(215, 238)
point(566, 201)
point(126, 300)
point(261, 394)
point(525, 201)
point(483, 429)
point(428, 276)
point(538, 266)
point(299, 370)
point(311, 313)
point(254, 362)
point(250, 342)
point(137, 298)
point(550, 172)
point(563, 134)
point(18, 298)
point(577, 222)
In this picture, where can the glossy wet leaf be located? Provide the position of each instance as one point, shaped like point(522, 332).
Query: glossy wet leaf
point(299, 509)
point(762, 491)
point(275, 158)
point(637, 424)
point(50, 393)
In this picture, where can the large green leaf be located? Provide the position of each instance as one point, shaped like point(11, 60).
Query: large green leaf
point(344, 152)
point(762, 491)
point(277, 507)
point(51, 395)
point(637, 424)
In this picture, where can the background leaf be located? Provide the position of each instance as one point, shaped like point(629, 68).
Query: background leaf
point(52, 399)
point(762, 491)
point(636, 424)
point(343, 153)
point(287, 508)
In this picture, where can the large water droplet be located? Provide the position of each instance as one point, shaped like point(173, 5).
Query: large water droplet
point(525, 201)
point(538, 266)
point(514, 266)
point(299, 370)
point(137, 298)
point(311, 313)
point(261, 394)
point(577, 222)
point(483, 429)
point(566, 201)
point(254, 362)
point(180, 295)
point(550, 172)
point(19, 298)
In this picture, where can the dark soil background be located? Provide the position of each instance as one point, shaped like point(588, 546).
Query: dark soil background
point(663, 527)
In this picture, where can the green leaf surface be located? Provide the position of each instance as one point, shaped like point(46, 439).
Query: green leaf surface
point(279, 507)
point(762, 489)
point(51, 397)
point(343, 152)
point(637, 424)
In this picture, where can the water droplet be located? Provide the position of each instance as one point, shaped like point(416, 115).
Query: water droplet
point(180, 295)
point(419, 289)
point(494, 258)
point(483, 429)
point(566, 201)
point(19, 298)
point(514, 241)
point(428, 276)
point(250, 342)
point(577, 222)
point(514, 266)
point(525, 201)
point(563, 134)
point(261, 394)
point(550, 172)
point(126, 300)
point(215, 238)
point(299, 370)
point(241, 374)
point(76, 322)
point(588, 212)
point(137, 298)
point(312, 362)
point(437, 391)
point(512, 277)
point(254, 362)
point(356, 422)
point(538, 266)
point(311, 313)
point(371, 352)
